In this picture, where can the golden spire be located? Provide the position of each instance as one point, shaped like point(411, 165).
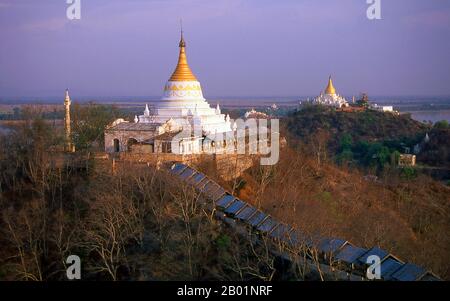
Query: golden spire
point(182, 71)
point(330, 89)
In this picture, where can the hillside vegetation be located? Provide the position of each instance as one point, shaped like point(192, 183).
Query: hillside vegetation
point(322, 183)
point(366, 125)
point(369, 139)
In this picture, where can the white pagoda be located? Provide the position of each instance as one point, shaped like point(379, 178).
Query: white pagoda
point(182, 109)
point(329, 97)
point(184, 104)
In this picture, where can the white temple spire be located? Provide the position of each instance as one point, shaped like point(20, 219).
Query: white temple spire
point(68, 146)
point(218, 109)
point(66, 96)
point(136, 119)
point(146, 111)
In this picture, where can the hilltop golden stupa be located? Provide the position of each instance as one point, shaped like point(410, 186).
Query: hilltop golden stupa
point(329, 97)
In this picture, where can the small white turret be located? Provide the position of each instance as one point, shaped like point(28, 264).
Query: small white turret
point(146, 111)
point(67, 98)
point(218, 112)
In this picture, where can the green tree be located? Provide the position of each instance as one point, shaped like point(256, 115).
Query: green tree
point(383, 156)
point(345, 156)
point(395, 156)
point(408, 173)
point(89, 123)
point(443, 124)
point(346, 142)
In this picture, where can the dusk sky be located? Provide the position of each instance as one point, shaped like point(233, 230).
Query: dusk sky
point(234, 47)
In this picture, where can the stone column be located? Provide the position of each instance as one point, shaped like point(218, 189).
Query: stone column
point(68, 146)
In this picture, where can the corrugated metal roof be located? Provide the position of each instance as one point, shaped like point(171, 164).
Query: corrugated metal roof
point(177, 168)
point(210, 188)
point(257, 218)
point(225, 201)
point(190, 179)
point(281, 231)
point(200, 185)
point(299, 239)
point(430, 277)
point(330, 245)
point(246, 212)
point(374, 251)
point(186, 173)
point(196, 178)
point(235, 207)
point(218, 194)
point(267, 225)
point(388, 267)
point(409, 272)
point(350, 254)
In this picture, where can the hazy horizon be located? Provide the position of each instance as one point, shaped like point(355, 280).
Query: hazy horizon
point(282, 49)
point(382, 99)
point(74, 96)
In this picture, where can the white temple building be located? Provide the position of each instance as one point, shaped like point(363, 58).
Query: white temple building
point(329, 97)
point(255, 114)
point(182, 107)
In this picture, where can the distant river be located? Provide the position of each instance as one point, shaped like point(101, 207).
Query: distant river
point(431, 115)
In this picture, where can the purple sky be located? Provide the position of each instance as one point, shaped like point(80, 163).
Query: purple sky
point(235, 47)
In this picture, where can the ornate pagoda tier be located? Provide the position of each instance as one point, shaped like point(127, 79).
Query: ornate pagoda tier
point(184, 103)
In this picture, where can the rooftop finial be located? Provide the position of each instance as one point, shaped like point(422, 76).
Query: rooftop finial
point(182, 71)
point(182, 42)
point(66, 96)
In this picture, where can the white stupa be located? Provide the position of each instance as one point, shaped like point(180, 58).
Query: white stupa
point(183, 102)
point(330, 98)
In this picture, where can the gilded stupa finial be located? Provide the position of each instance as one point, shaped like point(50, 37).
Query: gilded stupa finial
point(182, 71)
point(182, 42)
point(330, 88)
